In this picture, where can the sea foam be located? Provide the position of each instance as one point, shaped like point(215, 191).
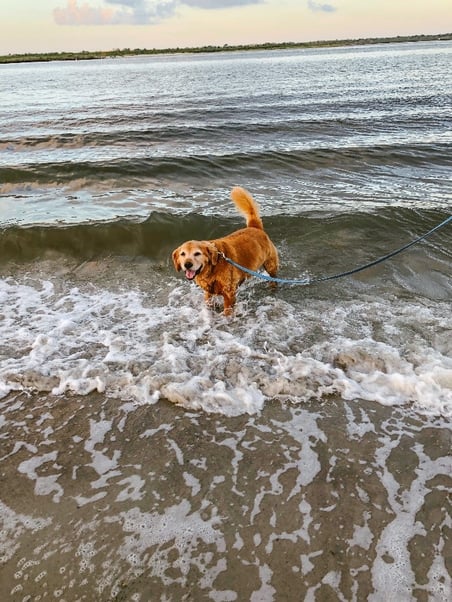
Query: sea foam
point(127, 345)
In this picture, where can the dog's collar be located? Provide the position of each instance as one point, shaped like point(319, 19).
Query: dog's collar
point(221, 254)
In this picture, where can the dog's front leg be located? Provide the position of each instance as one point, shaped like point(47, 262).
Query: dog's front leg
point(208, 298)
point(229, 302)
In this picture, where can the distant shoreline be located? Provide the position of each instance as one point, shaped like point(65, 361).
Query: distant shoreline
point(126, 52)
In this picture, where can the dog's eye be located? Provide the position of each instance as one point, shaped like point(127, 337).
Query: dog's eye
point(197, 253)
point(183, 253)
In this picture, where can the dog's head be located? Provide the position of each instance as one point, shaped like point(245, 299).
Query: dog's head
point(194, 256)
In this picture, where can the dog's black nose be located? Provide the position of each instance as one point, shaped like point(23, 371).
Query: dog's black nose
point(188, 265)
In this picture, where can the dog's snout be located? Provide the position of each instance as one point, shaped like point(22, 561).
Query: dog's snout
point(188, 265)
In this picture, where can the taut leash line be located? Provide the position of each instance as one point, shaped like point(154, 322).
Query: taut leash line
point(306, 281)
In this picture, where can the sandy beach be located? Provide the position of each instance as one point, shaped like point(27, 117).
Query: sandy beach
point(102, 500)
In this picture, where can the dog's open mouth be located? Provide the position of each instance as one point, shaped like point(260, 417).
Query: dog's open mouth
point(190, 274)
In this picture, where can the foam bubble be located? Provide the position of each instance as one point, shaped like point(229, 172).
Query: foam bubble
point(178, 525)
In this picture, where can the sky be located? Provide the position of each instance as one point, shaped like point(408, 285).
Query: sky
point(75, 25)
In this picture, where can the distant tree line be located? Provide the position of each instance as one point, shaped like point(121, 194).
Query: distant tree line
point(90, 55)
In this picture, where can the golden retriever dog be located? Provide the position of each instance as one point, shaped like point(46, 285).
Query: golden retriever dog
point(203, 261)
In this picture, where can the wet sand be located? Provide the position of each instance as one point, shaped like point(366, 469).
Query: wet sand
point(104, 500)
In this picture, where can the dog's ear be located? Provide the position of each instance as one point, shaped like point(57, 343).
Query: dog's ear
point(212, 253)
point(176, 259)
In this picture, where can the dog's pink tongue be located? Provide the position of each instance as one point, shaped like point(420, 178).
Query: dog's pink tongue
point(190, 274)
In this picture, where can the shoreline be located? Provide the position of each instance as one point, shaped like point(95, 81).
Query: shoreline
point(127, 52)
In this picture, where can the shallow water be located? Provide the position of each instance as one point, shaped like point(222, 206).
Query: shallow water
point(152, 449)
point(333, 500)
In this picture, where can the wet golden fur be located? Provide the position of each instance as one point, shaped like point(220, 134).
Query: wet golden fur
point(250, 247)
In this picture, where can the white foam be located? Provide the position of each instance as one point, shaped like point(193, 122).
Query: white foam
point(223, 596)
point(192, 482)
point(133, 489)
point(43, 485)
point(13, 526)
point(132, 346)
point(392, 573)
point(362, 535)
point(266, 590)
point(177, 525)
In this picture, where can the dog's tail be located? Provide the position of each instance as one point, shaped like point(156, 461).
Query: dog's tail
point(247, 206)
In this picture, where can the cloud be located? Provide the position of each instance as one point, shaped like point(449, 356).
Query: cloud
point(212, 4)
point(318, 7)
point(73, 14)
point(133, 12)
point(140, 12)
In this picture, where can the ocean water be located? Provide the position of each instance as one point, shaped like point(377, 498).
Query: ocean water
point(153, 449)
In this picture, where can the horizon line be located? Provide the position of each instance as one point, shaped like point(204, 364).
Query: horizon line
point(210, 48)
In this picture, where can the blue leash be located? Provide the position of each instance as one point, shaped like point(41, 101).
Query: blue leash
point(306, 281)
